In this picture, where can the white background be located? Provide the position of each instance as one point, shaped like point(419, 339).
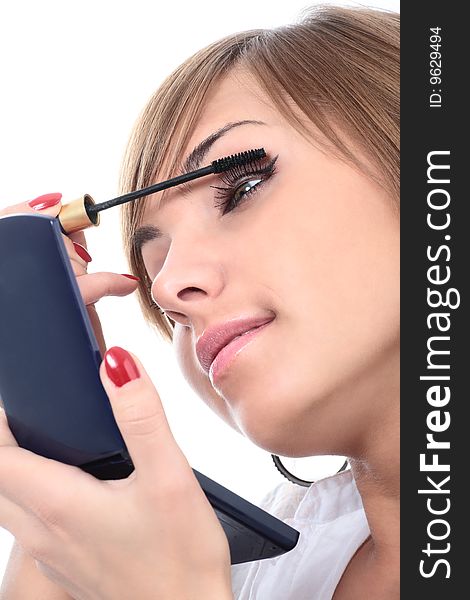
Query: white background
point(74, 77)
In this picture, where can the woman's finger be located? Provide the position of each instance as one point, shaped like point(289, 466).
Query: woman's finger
point(77, 252)
point(140, 417)
point(46, 204)
point(77, 268)
point(97, 285)
point(79, 238)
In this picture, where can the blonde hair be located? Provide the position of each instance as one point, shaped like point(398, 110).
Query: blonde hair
point(337, 65)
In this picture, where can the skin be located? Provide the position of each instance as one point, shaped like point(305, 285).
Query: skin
point(317, 246)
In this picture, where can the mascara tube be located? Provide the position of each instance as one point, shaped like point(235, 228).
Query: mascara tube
point(75, 217)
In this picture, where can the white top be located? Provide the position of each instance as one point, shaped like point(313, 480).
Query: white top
point(332, 523)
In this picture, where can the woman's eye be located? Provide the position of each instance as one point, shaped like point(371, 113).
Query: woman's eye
point(244, 189)
point(230, 198)
point(240, 185)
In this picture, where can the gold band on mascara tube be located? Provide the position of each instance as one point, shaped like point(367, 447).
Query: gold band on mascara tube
point(74, 217)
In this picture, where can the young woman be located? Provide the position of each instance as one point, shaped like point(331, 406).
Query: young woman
point(301, 250)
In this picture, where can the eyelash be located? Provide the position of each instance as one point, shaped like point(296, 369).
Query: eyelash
point(235, 177)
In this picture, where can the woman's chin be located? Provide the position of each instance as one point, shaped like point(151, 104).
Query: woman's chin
point(266, 417)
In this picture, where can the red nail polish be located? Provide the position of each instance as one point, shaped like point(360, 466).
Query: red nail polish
point(45, 201)
point(131, 276)
point(120, 366)
point(82, 252)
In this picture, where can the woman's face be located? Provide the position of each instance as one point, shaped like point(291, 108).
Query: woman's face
point(313, 250)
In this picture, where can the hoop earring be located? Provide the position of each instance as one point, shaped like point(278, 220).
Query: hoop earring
point(293, 478)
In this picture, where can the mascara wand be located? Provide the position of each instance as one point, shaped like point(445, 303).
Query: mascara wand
point(84, 212)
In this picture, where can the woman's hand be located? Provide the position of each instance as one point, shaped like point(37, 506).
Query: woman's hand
point(153, 535)
point(92, 286)
point(22, 578)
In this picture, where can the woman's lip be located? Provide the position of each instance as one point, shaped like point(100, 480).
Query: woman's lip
point(215, 337)
point(228, 353)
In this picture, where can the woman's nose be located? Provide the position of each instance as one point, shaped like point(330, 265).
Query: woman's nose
point(189, 281)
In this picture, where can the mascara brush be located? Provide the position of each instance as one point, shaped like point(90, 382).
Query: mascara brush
point(84, 212)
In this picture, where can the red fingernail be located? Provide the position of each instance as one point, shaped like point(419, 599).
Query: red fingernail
point(82, 252)
point(131, 276)
point(120, 366)
point(45, 201)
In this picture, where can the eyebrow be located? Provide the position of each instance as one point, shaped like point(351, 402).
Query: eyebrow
point(147, 233)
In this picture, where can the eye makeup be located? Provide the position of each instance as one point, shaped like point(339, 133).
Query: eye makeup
point(241, 181)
